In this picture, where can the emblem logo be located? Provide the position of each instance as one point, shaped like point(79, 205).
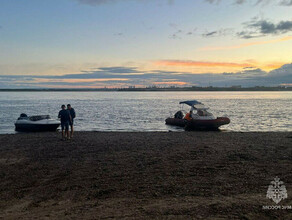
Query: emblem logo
point(277, 191)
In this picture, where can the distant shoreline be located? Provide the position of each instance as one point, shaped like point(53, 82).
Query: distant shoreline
point(154, 89)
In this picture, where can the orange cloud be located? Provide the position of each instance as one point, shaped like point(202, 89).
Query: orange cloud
point(190, 63)
point(219, 65)
point(266, 66)
point(272, 66)
point(171, 83)
point(80, 80)
point(247, 44)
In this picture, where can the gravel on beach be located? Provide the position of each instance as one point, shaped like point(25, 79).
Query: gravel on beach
point(144, 175)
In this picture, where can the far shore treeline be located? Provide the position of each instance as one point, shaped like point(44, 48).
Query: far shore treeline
point(158, 89)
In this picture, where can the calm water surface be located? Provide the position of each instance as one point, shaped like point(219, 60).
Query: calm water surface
point(146, 111)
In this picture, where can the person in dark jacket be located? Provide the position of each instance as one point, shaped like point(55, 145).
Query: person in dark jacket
point(65, 119)
point(73, 115)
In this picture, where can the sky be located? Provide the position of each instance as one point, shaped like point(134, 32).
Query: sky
point(121, 43)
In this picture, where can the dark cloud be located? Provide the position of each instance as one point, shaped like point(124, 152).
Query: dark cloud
point(209, 34)
point(119, 69)
point(255, 2)
point(266, 27)
point(286, 2)
point(256, 27)
point(129, 76)
point(248, 34)
point(260, 27)
point(217, 33)
point(285, 70)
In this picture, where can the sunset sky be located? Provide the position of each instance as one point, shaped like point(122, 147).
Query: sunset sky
point(120, 43)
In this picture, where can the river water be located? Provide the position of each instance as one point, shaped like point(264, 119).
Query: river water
point(147, 111)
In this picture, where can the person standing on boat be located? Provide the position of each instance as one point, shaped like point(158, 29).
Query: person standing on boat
point(73, 115)
point(65, 119)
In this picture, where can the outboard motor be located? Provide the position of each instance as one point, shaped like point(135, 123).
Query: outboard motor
point(179, 115)
point(22, 115)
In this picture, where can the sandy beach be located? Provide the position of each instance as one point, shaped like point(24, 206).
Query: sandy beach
point(173, 175)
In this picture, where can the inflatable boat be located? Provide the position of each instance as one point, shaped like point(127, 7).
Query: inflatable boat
point(36, 123)
point(198, 118)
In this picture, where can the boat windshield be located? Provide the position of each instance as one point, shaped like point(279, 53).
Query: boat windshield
point(39, 117)
point(202, 112)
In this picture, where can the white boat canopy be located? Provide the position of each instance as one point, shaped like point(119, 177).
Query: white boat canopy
point(200, 107)
point(195, 104)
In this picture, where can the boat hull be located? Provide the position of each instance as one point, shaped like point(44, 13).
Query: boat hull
point(36, 127)
point(194, 124)
point(176, 122)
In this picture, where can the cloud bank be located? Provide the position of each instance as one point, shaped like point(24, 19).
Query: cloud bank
point(132, 76)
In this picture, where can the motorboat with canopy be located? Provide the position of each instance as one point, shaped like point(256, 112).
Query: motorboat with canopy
point(198, 118)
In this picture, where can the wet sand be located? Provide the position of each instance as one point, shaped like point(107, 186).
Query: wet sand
point(152, 175)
